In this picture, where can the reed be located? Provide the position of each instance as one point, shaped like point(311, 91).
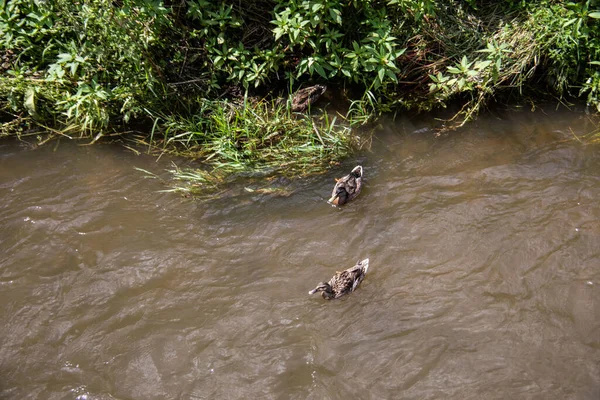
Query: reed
point(254, 137)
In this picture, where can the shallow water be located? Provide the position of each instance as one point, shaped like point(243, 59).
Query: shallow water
point(484, 281)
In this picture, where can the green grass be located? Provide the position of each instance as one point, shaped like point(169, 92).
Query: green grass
point(253, 138)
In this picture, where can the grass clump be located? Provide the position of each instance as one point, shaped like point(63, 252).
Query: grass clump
point(258, 138)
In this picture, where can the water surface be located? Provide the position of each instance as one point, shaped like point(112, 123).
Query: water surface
point(484, 280)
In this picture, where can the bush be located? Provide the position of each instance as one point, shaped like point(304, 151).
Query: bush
point(85, 64)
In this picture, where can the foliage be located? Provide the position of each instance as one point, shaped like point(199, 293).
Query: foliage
point(83, 63)
point(306, 39)
point(93, 63)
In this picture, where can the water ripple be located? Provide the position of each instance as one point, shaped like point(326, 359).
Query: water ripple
point(483, 279)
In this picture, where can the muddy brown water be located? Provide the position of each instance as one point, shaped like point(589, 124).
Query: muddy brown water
point(484, 280)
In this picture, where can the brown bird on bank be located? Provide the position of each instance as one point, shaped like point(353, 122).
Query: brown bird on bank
point(303, 98)
point(347, 188)
point(343, 282)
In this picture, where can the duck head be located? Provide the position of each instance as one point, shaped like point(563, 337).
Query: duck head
point(357, 171)
point(364, 264)
point(325, 288)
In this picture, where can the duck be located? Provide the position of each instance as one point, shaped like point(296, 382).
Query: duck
point(347, 188)
point(303, 98)
point(343, 282)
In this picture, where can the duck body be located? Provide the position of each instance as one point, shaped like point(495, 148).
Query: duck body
point(303, 98)
point(343, 282)
point(347, 188)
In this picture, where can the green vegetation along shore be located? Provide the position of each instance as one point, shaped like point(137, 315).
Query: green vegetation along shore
point(206, 78)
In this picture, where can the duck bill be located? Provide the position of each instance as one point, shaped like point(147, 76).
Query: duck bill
point(313, 291)
point(334, 200)
point(365, 264)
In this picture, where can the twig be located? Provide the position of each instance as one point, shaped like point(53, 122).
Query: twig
point(317, 132)
point(186, 82)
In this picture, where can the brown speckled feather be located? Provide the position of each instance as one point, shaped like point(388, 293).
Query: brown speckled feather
point(303, 98)
point(346, 281)
point(343, 282)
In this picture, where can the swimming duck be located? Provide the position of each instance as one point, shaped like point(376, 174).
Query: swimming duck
point(347, 188)
point(343, 282)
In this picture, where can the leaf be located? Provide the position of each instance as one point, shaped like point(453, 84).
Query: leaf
point(400, 52)
point(336, 15)
point(29, 102)
point(320, 71)
point(381, 74)
point(73, 66)
point(453, 70)
point(102, 94)
point(278, 33)
point(376, 84)
point(595, 15)
point(482, 64)
point(391, 75)
point(64, 57)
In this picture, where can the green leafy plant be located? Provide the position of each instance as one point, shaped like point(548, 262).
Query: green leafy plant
point(90, 67)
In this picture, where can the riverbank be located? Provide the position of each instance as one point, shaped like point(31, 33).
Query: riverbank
point(210, 79)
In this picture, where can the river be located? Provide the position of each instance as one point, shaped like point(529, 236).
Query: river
point(484, 278)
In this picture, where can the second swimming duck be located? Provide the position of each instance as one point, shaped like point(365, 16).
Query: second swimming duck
point(343, 282)
point(347, 188)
